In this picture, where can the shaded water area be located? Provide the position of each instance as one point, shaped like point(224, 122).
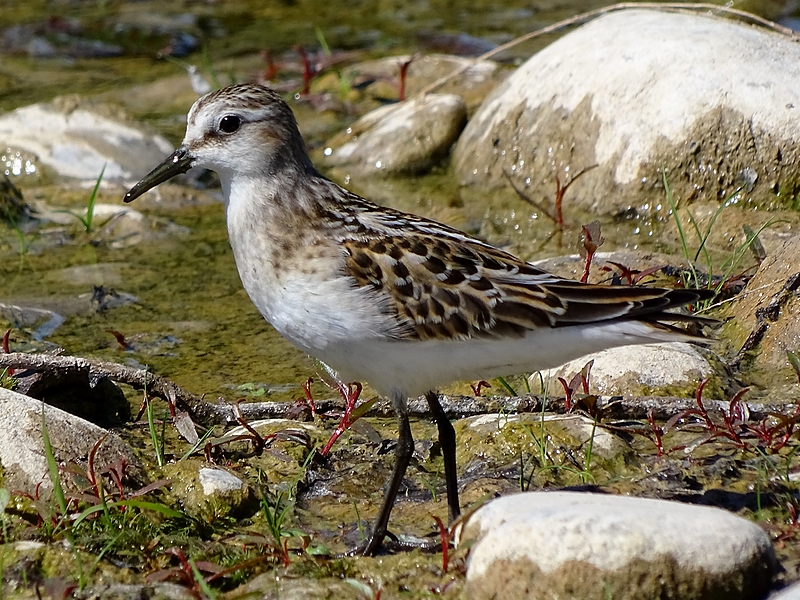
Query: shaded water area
point(174, 304)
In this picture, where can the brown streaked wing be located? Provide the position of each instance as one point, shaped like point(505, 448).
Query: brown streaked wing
point(444, 284)
point(453, 289)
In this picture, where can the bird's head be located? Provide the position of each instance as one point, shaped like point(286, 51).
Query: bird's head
point(242, 130)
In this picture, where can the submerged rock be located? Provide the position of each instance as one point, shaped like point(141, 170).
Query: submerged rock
point(14, 211)
point(40, 321)
point(410, 137)
point(77, 140)
point(712, 101)
point(572, 545)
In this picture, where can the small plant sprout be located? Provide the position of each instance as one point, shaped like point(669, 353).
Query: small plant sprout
point(732, 425)
point(9, 372)
point(446, 536)
point(309, 70)
point(272, 69)
point(477, 388)
point(349, 392)
point(631, 276)
point(752, 245)
point(591, 240)
point(188, 573)
point(402, 77)
point(579, 379)
point(557, 216)
point(88, 220)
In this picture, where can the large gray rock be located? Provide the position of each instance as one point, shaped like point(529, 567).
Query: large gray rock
point(76, 140)
point(574, 545)
point(713, 101)
point(410, 137)
point(22, 453)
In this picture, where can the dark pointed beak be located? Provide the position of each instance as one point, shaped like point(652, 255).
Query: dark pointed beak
point(176, 163)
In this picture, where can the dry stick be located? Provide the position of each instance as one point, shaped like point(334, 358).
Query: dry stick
point(200, 410)
point(136, 378)
point(209, 414)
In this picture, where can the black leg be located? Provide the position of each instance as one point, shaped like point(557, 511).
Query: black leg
point(405, 448)
point(447, 440)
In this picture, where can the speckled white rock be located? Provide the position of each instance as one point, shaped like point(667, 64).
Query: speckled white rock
point(218, 481)
point(711, 100)
point(209, 492)
point(409, 137)
point(575, 545)
point(638, 370)
point(76, 142)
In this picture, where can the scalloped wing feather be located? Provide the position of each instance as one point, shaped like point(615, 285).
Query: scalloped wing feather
point(444, 284)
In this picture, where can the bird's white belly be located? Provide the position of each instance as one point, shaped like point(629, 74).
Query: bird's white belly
point(410, 368)
point(314, 308)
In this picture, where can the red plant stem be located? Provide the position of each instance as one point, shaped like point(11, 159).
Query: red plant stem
point(309, 397)
point(560, 191)
point(350, 392)
point(703, 412)
point(401, 84)
point(657, 433)
point(272, 69)
point(308, 70)
point(444, 534)
point(477, 387)
point(567, 394)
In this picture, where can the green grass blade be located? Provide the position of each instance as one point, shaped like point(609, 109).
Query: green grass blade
point(92, 199)
point(681, 233)
point(52, 467)
point(322, 41)
point(201, 581)
point(154, 506)
point(506, 385)
point(794, 360)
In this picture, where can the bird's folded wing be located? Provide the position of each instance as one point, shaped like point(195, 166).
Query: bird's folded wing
point(453, 287)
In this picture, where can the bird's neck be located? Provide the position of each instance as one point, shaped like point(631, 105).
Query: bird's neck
point(288, 199)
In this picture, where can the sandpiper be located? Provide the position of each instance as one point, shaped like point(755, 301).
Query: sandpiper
point(401, 302)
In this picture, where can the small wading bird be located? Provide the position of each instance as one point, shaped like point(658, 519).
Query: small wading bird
point(386, 297)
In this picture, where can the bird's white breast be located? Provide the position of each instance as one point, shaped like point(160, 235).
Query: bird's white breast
point(297, 282)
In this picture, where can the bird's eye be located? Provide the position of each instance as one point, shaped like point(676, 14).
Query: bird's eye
point(229, 123)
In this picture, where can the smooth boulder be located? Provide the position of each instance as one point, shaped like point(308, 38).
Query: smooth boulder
point(79, 140)
point(712, 101)
point(22, 454)
point(410, 137)
point(575, 545)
